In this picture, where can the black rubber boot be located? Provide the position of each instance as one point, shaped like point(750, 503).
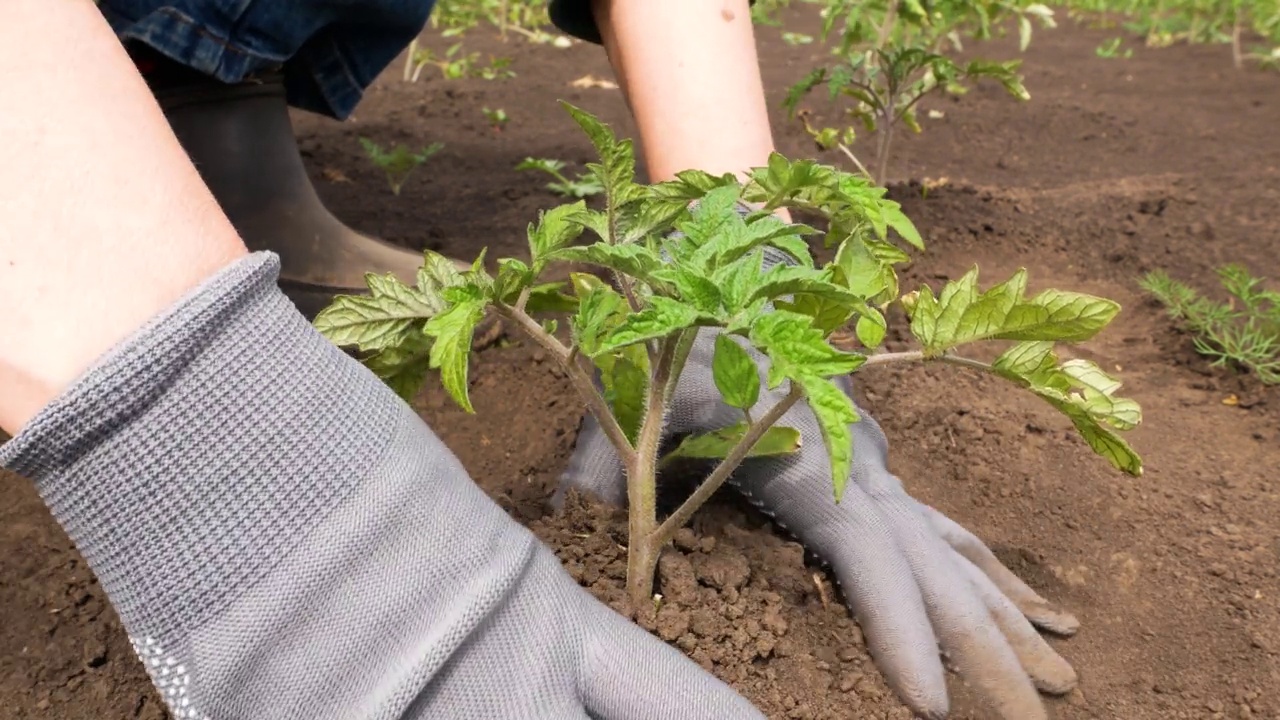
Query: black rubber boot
point(241, 140)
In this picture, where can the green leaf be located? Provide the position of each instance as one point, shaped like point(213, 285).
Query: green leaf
point(437, 272)
point(717, 444)
point(403, 367)
point(452, 330)
point(617, 167)
point(735, 373)
point(600, 310)
point(555, 229)
point(791, 280)
point(697, 290)
point(625, 377)
point(737, 281)
point(383, 319)
point(633, 259)
point(1068, 317)
point(1082, 392)
point(962, 314)
point(871, 328)
point(798, 350)
point(661, 318)
point(835, 412)
point(827, 314)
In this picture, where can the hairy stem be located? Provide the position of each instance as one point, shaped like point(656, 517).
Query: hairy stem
point(642, 475)
point(882, 152)
point(888, 358)
point(717, 478)
point(580, 379)
point(863, 168)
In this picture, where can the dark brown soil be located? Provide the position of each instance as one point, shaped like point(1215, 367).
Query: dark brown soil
point(1115, 167)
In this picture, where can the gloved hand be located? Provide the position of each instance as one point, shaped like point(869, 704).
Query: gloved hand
point(915, 580)
point(282, 537)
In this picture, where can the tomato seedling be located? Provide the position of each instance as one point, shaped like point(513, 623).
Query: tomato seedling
point(705, 253)
point(399, 162)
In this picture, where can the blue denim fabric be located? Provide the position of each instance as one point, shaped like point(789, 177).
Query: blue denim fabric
point(330, 50)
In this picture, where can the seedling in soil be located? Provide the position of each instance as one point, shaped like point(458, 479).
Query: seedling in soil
point(584, 186)
point(497, 118)
point(1112, 49)
point(399, 162)
point(891, 57)
point(688, 255)
point(454, 64)
point(1243, 331)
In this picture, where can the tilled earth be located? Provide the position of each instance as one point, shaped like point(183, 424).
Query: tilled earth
point(1168, 160)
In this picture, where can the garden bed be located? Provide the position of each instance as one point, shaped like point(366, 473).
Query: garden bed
point(1167, 160)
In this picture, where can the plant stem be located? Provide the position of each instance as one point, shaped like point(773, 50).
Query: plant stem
point(882, 152)
point(717, 478)
point(408, 61)
point(642, 485)
point(919, 356)
point(849, 154)
point(578, 377)
point(886, 29)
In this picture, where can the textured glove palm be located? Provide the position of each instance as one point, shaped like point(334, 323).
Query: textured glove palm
point(283, 538)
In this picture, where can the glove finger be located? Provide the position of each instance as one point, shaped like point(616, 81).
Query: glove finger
point(629, 674)
point(878, 583)
point(1048, 670)
point(1038, 610)
point(967, 632)
point(594, 468)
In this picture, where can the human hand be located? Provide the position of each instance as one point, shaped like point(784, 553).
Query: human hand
point(915, 580)
point(327, 556)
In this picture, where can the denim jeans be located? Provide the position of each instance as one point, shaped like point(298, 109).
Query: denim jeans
point(330, 50)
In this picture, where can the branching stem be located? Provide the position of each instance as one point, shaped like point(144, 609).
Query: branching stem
point(580, 379)
point(642, 474)
point(888, 358)
point(717, 478)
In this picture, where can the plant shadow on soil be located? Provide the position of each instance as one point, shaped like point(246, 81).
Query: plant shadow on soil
point(1115, 167)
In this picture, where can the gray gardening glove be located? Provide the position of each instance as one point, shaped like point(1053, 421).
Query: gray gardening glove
point(282, 537)
point(914, 579)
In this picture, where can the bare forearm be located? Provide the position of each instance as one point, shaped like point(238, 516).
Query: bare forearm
point(104, 222)
point(692, 78)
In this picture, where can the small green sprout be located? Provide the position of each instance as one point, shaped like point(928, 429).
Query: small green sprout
point(399, 162)
point(1243, 331)
point(497, 118)
point(586, 184)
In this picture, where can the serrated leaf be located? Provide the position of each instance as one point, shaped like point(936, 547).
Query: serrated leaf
point(661, 318)
point(625, 377)
point(404, 367)
point(738, 280)
point(835, 412)
point(555, 228)
point(736, 375)
point(634, 260)
point(550, 298)
point(961, 314)
point(452, 330)
point(380, 320)
point(796, 349)
point(599, 311)
point(1069, 317)
point(717, 444)
point(1082, 392)
point(871, 328)
point(827, 314)
point(697, 290)
point(437, 272)
point(784, 280)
